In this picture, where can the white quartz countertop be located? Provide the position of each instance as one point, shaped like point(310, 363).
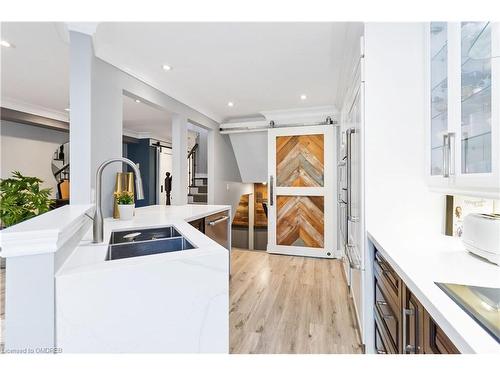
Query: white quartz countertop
point(421, 259)
point(44, 233)
point(91, 257)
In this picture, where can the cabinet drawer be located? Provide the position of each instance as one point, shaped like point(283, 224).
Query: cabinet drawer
point(435, 340)
point(389, 316)
point(389, 281)
point(383, 342)
point(380, 346)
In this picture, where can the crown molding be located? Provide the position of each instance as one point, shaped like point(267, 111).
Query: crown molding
point(88, 28)
point(34, 109)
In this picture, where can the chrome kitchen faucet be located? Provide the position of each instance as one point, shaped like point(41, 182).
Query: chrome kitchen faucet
point(98, 220)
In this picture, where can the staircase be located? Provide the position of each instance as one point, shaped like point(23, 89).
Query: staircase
point(198, 190)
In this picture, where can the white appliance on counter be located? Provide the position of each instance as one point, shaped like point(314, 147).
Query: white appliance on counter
point(481, 236)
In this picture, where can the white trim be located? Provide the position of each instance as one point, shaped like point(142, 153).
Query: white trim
point(46, 233)
point(87, 28)
point(457, 190)
point(476, 184)
point(34, 109)
point(311, 114)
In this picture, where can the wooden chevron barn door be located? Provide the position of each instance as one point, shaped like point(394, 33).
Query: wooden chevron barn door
point(302, 183)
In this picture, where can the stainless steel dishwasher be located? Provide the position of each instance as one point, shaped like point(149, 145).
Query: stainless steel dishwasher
point(217, 228)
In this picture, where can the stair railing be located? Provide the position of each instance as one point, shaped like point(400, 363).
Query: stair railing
point(192, 164)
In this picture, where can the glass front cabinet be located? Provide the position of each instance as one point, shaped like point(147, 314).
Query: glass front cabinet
point(463, 107)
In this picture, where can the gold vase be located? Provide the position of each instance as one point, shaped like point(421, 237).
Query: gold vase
point(124, 182)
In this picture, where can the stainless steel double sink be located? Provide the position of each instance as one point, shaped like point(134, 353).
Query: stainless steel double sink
point(142, 242)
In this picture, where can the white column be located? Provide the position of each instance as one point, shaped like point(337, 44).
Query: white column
point(179, 160)
point(96, 121)
point(81, 61)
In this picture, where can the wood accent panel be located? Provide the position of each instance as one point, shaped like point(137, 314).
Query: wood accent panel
point(300, 160)
point(241, 215)
point(300, 221)
point(260, 196)
point(288, 304)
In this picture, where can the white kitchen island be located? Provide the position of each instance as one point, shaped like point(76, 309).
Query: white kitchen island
point(174, 302)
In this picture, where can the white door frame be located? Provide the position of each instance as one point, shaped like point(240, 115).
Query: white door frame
point(328, 191)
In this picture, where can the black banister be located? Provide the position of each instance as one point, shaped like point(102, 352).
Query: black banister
point(192, 164)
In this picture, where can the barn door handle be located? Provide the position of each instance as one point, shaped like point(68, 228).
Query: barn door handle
point(271, 190)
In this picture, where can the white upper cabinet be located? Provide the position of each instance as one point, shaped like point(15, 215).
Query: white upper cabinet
point(463, 107)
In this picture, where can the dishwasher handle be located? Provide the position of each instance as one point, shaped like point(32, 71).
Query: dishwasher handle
point(217, 221)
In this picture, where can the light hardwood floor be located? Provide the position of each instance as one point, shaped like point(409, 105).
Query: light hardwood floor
point(287, 304)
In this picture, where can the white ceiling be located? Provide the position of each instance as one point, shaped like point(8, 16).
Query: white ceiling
point(35, 74)
point(258, 66)
point(144, 118)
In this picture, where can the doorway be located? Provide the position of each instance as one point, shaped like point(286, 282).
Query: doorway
point(302, 178)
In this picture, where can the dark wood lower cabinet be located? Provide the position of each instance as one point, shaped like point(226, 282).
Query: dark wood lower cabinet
point(412, 324)
point(402, 325)
point(435, 340)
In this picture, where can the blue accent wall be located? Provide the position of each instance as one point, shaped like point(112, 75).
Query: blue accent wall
point(143, 154)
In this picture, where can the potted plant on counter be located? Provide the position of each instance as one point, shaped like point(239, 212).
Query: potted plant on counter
point(126, 206)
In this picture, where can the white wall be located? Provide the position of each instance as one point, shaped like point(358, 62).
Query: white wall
point(108, 85)
point(396, 190)
point(396, 195)
point(29, 150)
point(251, 153)
point(224, 187)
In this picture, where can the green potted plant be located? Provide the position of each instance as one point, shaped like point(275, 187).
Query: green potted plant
point(21, 198)
point(125, 201)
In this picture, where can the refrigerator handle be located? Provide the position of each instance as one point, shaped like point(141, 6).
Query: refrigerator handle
point(349, 134)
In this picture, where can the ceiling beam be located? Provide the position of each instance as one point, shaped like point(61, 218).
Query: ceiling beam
point(12, 115)
point(20, 117)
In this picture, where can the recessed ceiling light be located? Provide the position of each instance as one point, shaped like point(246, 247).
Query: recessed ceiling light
point(303, 97)
point(66, 109)
point(230, 104)
point(166, 67)
point(137, 101)
point(4, 43)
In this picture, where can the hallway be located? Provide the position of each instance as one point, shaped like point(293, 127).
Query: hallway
point(287, 304)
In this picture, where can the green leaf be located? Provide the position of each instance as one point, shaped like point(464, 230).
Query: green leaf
point(21, 198)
